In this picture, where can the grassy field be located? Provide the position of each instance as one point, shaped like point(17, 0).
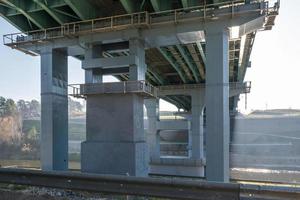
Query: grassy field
point(32, 164)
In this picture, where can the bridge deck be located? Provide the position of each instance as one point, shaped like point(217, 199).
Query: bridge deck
point(167, 65)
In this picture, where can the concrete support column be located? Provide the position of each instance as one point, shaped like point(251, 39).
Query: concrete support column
point(93, 75)
point(217, 105)
point(116, 142)
point(197, 125)
point(137, 48)
point(152, 106)
point(54, 107)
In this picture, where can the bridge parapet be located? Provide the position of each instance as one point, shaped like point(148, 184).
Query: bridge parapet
point(141, 87)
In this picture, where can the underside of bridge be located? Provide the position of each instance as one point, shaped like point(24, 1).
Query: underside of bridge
point(166, 43)
point(178, 64)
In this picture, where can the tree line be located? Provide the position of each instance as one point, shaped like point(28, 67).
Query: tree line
point(31, 109)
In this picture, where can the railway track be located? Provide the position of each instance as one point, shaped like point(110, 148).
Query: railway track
point(148, 187)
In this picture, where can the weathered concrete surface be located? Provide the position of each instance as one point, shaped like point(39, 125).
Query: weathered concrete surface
point(54, 110)
point(217, 105)
point(116, 142)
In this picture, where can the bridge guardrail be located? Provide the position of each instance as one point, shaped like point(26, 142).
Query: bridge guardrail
point(150, 187)
point(244, 86)
point(143, 87)
point(140, 19)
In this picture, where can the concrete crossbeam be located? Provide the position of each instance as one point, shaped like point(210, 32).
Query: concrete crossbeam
point(114, 62)
point(173, 125)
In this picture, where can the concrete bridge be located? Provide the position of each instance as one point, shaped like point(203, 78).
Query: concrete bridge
point(193, 54)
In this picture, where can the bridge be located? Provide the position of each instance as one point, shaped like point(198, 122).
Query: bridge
point(191, 53)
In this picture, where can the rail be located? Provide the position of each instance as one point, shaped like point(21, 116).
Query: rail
point(82, 90)
point(149, 187)
point(244, 86)
point(123, 185)
point(136, 20)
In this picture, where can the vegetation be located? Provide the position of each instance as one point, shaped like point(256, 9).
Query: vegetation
point(27, 115)
point(7, 107)
point(29, 109)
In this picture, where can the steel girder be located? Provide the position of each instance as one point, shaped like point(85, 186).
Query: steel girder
point(38, 21)
point(58, 15)
point(83, 9)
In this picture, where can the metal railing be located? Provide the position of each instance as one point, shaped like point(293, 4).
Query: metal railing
point(143, 87)
point(149, 187)
point(244, 86)
point(119, 22)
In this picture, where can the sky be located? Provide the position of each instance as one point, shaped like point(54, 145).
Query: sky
point(275, 71)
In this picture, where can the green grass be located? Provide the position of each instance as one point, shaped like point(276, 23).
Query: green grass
point(35, 164)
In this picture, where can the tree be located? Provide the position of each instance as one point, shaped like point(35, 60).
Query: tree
point(29, 109)
point(35, 108)
point(22, 107)
point(2, 106)
point(7, 107)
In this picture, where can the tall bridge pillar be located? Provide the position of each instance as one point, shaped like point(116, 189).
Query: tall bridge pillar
point(54, 107)
point(217, 105)
point(115, 142)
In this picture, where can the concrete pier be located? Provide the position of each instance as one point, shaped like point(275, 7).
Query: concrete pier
point(54, 109)
point(217, 105)
point(116, 142)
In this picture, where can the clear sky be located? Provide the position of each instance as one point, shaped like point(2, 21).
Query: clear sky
point(275, 72)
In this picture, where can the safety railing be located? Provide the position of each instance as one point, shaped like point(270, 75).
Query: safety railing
point(119, 22)
point(244, 86)
point(82, 90)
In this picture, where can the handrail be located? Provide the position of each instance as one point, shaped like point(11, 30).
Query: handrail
point(117, 22)
point(232, 85)
point(81, 90)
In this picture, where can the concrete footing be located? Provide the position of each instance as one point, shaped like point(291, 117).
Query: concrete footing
point(116, 141)
point(123, 158)
point(177, 166)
